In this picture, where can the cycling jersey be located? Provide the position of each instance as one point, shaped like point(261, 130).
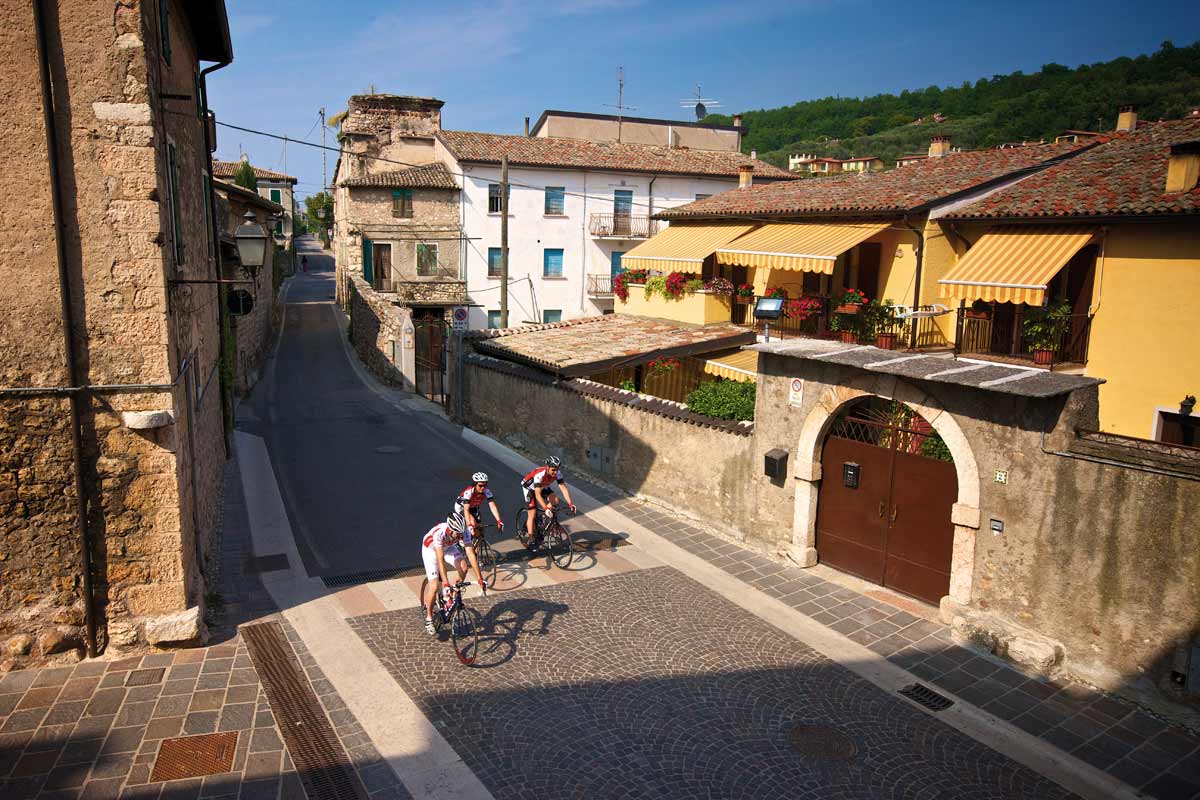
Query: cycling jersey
point(541, 478)
point(441, 536)
point(472, 499)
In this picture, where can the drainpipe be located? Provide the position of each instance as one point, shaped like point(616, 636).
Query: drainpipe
point(68, 324)
point(912, 333)
point(215, 249)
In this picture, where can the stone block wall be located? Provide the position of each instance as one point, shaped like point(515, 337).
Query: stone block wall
point(378, 327)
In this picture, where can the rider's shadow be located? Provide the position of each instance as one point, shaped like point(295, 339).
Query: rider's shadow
point(506, 623)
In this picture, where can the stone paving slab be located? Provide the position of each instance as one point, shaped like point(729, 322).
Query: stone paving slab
point(647, 684)
point(1111, 734)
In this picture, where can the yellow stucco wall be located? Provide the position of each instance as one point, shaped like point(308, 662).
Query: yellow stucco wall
point(1143, 337)
point(700, 308)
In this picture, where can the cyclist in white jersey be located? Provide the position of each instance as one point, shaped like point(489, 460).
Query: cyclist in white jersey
point(443, 545)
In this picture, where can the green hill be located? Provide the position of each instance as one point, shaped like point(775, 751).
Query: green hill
point(991, 111)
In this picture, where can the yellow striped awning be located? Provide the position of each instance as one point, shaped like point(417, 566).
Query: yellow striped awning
point(681, 247)
point(803, 247)
point(1014, 263)
point(741, 365)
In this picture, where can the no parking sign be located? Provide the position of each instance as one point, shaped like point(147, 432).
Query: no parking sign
point(796, 392)
point(458, 318)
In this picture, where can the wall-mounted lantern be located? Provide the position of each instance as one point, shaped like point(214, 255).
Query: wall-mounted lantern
point(251, 243)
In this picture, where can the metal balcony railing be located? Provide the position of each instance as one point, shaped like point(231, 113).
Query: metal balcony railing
point(624, 226)
point(1000, 332)
point(599, 285)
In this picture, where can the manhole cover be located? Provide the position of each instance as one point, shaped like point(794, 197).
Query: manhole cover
point(193, 756)
point(144, 677)
point(823, 742)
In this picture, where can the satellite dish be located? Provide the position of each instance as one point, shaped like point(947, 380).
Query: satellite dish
point(701, 111)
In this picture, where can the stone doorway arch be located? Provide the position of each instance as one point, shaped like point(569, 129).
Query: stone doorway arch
point(964, 514)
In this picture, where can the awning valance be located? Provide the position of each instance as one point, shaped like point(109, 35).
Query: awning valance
point(803, 247)
point(682, 248)
point(1014, 263)
point(741, 365)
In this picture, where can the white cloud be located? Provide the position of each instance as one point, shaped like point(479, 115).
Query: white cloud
point(245, 24)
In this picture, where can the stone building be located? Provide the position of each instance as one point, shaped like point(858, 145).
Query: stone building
point(112, 404)
point(271, 185)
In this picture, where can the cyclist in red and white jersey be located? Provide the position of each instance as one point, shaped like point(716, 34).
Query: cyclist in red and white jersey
point(442, 546)
point(537, 486)
point(470, 499)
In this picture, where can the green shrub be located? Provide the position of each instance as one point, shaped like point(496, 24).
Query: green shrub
point(656, 285)
point(628, 385)
point(724, 399)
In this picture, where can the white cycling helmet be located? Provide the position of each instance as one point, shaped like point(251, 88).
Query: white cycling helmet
point(480, 477)
point(456, 523)
point(554, 462)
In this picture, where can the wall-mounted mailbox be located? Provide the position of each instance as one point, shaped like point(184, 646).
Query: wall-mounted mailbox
point(850, 474)
point(775, 463)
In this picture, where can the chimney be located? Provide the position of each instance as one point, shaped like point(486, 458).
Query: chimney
point(737, 120)
point(527, 127)
point(1183, 167)
point(745, 176)
point(1127, 117)
point(754, 154)
point(939, 146)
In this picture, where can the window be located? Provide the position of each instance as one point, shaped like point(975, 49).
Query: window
point(555, 200)
point(176, 215)
point(552, 263)
point(700, 197)
point(402, 204)
point(493, 262)
point(494, 198)
point(427, 260)
point(1178, 429)
point(493, 319)
point(277, 197)
point(615, 264)
point(165, 28)
point(550, 315)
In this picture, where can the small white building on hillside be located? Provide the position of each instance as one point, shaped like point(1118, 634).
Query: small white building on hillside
point(274, 186)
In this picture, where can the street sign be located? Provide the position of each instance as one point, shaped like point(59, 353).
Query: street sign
point(458, 319)
point(796, 392)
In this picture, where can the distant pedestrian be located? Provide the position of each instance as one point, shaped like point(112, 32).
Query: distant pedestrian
point(304, 263)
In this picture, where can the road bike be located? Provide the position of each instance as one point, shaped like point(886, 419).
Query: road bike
point(487, 557)
point(462, 626)
point(549, 533)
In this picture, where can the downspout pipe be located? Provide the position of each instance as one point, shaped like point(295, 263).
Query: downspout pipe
point(912, 333)
point(74, 378)
point(215, 248)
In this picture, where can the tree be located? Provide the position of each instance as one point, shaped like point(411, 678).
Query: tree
point(319, 211)
point(244, 177)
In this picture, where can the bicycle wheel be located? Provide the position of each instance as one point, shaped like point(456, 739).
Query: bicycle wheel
point(464, 636)
point(522, 534)
point(487, 560)
point(558, 541)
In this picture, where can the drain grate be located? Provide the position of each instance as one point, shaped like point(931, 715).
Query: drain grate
point(194, 756)
point(319, 757)
point(338, 581)
point(271, 563)
point(823, 742)
point(145, 677)
point(927, 697)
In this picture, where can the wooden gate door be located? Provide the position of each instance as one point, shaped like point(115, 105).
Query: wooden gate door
point(430, 358)
point(883, 511)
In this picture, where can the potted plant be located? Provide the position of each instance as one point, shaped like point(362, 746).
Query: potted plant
point(1043, 329)
point(845, 326)
point(850, 301)
point(661, 366)
point(776, 291)
point(718, 286)
point(744, 293)
point(978, 310)
point(878, 319)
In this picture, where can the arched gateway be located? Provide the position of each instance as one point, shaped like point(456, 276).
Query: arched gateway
point(888, 490)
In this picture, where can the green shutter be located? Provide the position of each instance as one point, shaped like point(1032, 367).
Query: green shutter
point(366, 259)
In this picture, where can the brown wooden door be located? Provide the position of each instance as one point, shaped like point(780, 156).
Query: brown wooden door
point(869, 256)
point(894, 528)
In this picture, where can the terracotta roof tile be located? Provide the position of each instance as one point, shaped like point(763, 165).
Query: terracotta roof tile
point(429, 176)
point(902, 189)
point(227, 169)
point(1125, 174)
point(543, 151)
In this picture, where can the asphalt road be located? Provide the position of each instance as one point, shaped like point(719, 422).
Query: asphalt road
point(362, 480)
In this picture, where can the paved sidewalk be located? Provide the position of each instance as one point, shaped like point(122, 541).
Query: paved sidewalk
point(1160, 759)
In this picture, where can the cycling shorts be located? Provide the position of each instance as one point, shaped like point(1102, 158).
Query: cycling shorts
point(531, 502)
point(451, 555)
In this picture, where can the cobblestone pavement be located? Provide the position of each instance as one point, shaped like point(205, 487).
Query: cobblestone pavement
point(86, 731)
point(1113, 735)
point(646, 684)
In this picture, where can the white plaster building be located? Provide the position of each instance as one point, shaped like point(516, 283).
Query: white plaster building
point(274, 186)
point(574, 206)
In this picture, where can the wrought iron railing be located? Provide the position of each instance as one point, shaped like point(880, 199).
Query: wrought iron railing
point(622, 225)
point(815, 325)
point(599, 285)
point(988, 333)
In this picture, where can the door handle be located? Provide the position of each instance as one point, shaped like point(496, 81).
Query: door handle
point(882, 506)
point(895, 510)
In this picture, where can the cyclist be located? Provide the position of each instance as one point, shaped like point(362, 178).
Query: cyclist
point(470, 499)
point(304, 263)
point(538, 492)
point(441, 546)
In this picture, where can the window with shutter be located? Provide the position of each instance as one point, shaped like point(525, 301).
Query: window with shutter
point(402, 204)
point(493, 262)
point(164, 12)
point(427, 260)
point(176, 215)
point(552, 263)
point(555, 200)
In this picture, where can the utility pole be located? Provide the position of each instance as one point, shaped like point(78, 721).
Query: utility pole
point(504, 241)
point(324, 180)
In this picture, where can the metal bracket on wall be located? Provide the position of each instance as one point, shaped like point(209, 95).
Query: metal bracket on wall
point(600, 460)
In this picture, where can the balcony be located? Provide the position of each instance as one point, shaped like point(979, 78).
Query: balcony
point(999, 335)
point(898, 334)
point(430, 291)
point(599, 286)
point(621, 226)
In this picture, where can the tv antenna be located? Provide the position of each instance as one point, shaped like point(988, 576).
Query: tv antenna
point(702, 104)
point(620, 106)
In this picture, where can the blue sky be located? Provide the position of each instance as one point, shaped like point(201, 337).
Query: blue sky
point(494, 63)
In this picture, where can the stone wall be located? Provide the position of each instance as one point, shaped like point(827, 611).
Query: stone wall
point(699, 469)
point(379, 328)
point(1097, 571)
point(152, 494)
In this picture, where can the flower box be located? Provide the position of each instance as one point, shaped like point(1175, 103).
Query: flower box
point(885, 341)
point(848, 337)
point(848, 308)
point(978, 315)
point(1043, 357)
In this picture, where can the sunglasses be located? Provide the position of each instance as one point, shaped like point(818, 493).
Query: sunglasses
point(481, 485)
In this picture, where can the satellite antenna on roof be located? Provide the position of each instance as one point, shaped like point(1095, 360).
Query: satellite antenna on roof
point(702, 104)
point(620, 106)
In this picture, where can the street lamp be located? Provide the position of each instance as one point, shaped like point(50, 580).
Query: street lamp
point(251, 243)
